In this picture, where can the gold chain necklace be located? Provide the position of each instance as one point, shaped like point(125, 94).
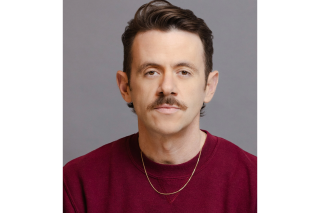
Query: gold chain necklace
point(182, 186)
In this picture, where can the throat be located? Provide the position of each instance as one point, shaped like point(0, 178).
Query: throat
point(174, 151)
point(167, 162)
point(163, 157)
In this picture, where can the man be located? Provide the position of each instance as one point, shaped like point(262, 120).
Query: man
point(170, 165)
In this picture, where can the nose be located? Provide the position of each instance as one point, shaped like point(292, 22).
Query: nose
point(167, 85)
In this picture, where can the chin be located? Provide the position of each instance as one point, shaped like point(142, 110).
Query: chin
point(168, 127)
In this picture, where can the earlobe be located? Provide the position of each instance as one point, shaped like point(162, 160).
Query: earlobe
point(122, 81)
point(211, 87)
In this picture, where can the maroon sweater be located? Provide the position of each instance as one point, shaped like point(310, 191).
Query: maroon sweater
point(111, 179)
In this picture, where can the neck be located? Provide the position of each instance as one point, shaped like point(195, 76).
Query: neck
point(173, 148)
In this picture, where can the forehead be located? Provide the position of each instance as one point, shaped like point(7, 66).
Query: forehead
point(167, 48)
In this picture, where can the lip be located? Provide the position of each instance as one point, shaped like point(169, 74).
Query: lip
point(167, 109)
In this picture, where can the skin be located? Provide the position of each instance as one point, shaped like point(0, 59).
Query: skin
point(168, 64)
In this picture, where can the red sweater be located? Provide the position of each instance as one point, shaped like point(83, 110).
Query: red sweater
point(111, 179)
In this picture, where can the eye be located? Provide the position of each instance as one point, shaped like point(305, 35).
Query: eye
point(184, 73)
point(151, 73)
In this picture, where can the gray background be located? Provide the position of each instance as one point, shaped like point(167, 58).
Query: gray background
point(94, 111)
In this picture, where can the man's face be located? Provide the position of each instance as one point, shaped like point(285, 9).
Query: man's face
point(167, 80)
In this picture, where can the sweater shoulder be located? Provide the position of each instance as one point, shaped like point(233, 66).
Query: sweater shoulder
point(234, 153)
point(96, 158)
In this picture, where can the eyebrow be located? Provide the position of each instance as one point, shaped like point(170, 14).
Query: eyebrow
point(181, 64)
point(186, 64)
point(145, 65)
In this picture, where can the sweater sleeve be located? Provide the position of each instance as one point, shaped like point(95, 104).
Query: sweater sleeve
point(256, 209)
point(68, 204)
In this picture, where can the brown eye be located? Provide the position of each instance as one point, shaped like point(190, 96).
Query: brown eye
point(183, 72)
point(151, 73)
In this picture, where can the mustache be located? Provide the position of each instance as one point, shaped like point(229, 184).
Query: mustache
point(170, 100)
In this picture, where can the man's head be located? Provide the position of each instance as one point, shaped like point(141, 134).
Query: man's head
point(163, 16)
point(167, 66)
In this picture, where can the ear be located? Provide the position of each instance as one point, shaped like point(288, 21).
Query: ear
point(122, 81)
point(212, 83)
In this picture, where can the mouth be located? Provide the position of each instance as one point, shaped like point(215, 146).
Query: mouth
point(167, 109)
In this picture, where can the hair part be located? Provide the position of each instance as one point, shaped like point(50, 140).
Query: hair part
point(162, 15)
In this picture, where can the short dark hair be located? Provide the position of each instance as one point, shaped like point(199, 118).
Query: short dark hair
point(162, 15)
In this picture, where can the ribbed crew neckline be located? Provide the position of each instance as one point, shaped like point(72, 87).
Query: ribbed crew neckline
point(183, 170)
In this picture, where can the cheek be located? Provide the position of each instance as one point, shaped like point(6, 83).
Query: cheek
point(195, 97)
point(141, 96)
